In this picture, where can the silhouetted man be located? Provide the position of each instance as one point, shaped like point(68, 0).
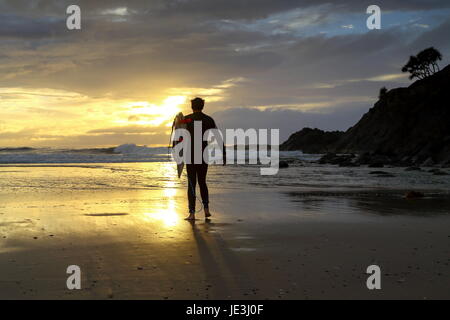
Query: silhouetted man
point(197, 172)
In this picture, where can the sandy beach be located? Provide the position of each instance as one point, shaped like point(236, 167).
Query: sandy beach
point(261, 243)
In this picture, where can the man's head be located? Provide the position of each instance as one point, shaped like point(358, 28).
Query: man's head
point(197, 104)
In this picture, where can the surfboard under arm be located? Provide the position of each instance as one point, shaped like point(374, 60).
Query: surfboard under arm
point(178, 124)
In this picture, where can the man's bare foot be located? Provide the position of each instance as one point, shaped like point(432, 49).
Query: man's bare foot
point(191, 217)
point(207, 213)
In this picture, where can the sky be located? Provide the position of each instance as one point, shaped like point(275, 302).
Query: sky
point(280, 64)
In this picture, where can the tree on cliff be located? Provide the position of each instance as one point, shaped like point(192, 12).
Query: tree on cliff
point(424, 64)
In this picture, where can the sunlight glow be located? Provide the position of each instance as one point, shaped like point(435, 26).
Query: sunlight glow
point(166, 212)
point(168, 217)
point(156, 115)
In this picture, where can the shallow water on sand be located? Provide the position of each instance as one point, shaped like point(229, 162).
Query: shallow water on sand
point(237, 191)
point(162, 175)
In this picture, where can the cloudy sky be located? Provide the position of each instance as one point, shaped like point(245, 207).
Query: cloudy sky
point(258, 63)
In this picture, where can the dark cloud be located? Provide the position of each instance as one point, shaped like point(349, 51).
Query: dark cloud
point(259, 9)
point(434, 37)
point(217, 9)
point(14, 26)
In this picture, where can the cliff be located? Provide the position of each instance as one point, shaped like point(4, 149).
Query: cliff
point(407, 126)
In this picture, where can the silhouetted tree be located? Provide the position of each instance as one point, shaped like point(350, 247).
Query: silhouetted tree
point(424, 64)
point(382, 93)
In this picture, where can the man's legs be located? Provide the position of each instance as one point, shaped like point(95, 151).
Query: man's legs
point(202, 170)
point(192, 182)
point(194, 172)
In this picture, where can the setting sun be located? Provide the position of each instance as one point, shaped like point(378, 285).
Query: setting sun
point(145, 113)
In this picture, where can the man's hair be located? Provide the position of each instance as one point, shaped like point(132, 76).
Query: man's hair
point(197, 104)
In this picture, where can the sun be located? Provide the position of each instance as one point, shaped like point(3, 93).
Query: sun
point(156, 115)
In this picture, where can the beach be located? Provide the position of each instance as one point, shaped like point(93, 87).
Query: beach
point(131, 242)
point(324, 124)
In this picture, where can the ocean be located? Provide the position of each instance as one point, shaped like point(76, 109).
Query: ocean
point(131, 166)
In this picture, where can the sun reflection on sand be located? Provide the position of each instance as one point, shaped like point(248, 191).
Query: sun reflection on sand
point(170, 193)
point(168, 217)
point(166, 211)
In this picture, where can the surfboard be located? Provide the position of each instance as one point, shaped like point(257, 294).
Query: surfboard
point(178, 124)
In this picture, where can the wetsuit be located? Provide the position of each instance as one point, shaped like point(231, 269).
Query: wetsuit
point(197, 172)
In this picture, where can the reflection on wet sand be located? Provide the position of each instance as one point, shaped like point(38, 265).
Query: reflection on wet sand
point(382, 203)
point(105, 214)
point(167, 216)
point(166, 210)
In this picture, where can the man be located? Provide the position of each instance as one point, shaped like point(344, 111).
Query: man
point(197, 172)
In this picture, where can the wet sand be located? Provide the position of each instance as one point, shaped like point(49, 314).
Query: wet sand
point(259, 244)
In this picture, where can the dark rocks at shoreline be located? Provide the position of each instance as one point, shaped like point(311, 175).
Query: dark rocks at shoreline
point(378, 172)
point(328, 158)
point(283, 165)
point(376, 165)
point(373, 161)
point(352, 160)
point(414, 195)
point(347, 160)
